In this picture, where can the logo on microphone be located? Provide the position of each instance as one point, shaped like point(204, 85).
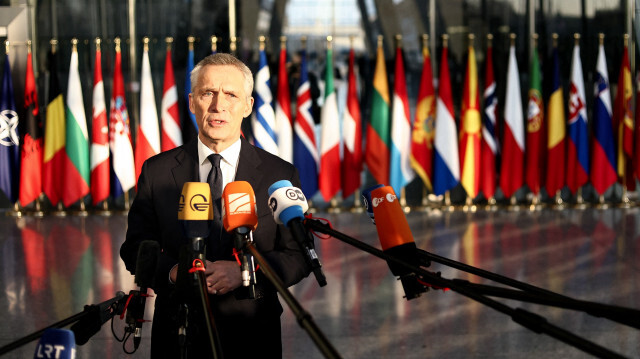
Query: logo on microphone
point(181, 203)
point(390, 197)
point(199, 203)
point(239, 203)
point(295, 194)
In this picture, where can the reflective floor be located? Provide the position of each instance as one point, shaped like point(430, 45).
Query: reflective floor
point(52, 267)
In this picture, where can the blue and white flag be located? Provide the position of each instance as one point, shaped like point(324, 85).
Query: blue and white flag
point(263, 120)
point(9, 138)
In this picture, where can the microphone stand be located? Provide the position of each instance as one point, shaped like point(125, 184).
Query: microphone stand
point(304, 318)
point(90, 319)
point(197, 280)
point(525, 318)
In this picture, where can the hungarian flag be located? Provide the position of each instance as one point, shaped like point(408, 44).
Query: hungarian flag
point(77, 169)
point(446, 166)
point(9, 137)
point(512, 169)
point(423, 129)
point(283, 110)
point(54, 137)
point(535, 127)
point(171, 131)
point(603, 152)
point(263, 121)
point(470, 129)
point(99, 136)
point(122, 163)
point(578, 139)
point(329, 177)
point(352, 135)
point(623, 119)
point(190, 127)
point(377, 147)
point(490, 149)
point(305, 151)
point(401, 172)
point(148, 138)
point(31, 157)
point(556, 131)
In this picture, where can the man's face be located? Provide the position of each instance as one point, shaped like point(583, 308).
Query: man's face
point(219, 102)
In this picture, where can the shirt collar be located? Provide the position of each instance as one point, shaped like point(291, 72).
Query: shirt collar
point(230, 155)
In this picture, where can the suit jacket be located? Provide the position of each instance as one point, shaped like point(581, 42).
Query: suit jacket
point(153, 216)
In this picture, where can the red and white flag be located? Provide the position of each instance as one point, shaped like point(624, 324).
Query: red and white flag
point(99, 136)
point(171, 131)
point(148, 139)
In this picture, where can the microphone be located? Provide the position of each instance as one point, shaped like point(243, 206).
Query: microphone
point(396, 239)
point(288, 205)
point(144, 277)
point(239, 215)
point(56, 344)
point(366, 199)
point(196, 215)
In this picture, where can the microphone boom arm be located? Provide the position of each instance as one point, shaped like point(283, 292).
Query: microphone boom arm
point(525, 318)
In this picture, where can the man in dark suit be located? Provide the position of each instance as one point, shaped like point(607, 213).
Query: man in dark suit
point(220, 99)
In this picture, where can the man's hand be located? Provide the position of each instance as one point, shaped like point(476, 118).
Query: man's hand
point(222, 276)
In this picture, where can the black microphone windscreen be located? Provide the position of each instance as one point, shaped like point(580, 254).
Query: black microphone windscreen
point(146, 263)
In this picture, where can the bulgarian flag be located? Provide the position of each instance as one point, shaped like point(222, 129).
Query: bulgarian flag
point(77, 169)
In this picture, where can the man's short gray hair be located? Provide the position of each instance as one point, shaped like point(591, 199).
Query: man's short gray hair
point(220, 59)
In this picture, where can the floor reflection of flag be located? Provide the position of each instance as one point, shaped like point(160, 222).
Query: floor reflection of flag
point(603, 240)
point(70, 265)
point(104, 257)
point(34, 255)
point(511, 246)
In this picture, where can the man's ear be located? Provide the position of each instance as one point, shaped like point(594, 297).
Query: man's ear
point(249, 108)
point(191, 103)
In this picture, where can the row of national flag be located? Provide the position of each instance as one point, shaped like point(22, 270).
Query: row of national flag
point(542, 146)
point(56, 157)
point(548, 146)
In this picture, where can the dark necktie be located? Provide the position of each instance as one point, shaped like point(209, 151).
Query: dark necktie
point(215, 181)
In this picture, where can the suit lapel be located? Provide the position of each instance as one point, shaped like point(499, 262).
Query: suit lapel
point(186, 169)
point(248, 164)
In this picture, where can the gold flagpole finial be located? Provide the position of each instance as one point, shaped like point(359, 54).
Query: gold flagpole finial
point(576, 39)
point(233, 44)
point(283, 42)
point(601, 38)
point(262, 40)
point(190, 41)
point(97, 41)
point(117, 42)
point(169, 41)
point(74, 44)
point(512, 38)
point(555, 37)
point(214, 43)
point(28, 46)
point(303, 42)
point(445, 40)
point(145, 41)
point(471, 38)
point(380, 39)
point(329, 42)
point(398, 38)
point(626, 40)
point(54, 45)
